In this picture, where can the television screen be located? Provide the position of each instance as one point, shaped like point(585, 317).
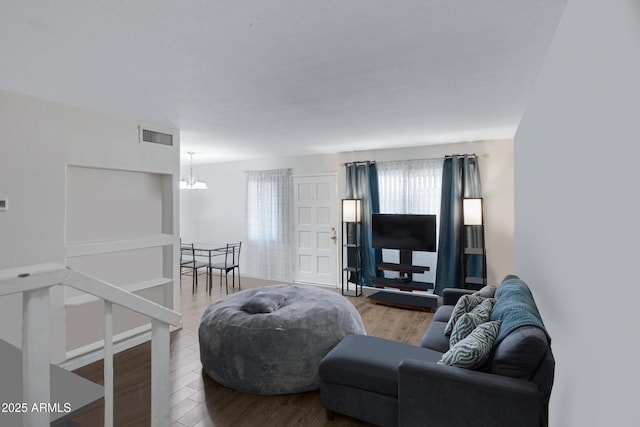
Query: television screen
point(403, 231)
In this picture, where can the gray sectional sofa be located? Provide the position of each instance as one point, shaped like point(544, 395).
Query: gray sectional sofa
point(389, 383)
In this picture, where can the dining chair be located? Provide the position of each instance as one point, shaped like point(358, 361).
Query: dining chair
point(230, 264)
point(189, 264)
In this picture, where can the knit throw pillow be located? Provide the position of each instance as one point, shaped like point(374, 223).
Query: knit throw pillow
point(474, 350)
point(469, 321)
point(465, 304)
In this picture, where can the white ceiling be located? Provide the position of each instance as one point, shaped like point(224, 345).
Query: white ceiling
point(260, 78)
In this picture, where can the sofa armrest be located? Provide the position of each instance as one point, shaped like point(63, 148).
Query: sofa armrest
point(450, 296)
point(437, 395)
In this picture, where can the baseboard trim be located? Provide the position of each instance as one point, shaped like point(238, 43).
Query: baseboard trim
point(320, 285)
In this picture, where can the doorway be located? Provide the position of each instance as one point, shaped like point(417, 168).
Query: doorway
point(315, 204)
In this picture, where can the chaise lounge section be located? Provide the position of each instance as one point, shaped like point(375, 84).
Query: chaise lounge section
point(389, 383)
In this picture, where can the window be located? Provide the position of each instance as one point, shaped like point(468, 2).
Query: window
point(269, 224)
point(411, 187)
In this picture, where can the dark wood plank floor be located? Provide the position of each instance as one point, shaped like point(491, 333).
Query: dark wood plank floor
point(198, 401)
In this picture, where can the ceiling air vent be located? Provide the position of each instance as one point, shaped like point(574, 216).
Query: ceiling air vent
point(155, 137)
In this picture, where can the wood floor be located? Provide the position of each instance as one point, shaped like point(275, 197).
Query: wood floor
point(198, 401)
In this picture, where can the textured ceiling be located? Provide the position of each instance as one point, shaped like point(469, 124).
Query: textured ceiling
point(258, 78)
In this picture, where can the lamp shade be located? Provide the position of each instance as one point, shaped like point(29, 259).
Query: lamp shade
point(351, 209)
point(472, 211)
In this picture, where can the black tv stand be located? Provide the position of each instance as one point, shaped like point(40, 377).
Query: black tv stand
point(405, 300)
point(404, 283)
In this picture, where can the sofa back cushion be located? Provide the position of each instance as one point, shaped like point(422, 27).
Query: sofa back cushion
point(523, 340)
point(519, 354)
point(516, 308)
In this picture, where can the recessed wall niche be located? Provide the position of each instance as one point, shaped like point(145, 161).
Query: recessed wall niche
point(107, 204)
point(119, 229)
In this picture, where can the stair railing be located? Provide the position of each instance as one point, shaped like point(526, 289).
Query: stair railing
point(34, 282)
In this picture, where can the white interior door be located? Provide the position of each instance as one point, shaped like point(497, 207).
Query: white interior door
point(315, 218)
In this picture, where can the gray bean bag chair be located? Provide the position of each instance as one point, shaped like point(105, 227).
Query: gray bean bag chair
point(270, 340)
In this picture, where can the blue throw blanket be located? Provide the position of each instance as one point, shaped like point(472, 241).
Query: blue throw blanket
point(516, 308)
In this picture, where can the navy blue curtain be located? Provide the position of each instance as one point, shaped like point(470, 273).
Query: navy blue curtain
point(460, 179)
point(362, 183)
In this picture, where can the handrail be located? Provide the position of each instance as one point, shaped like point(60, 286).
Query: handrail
point(122, 297)
point(34, 282)
point(22, 279)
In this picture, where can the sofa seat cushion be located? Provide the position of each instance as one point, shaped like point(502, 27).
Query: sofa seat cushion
point(370, 363)
point(435, 338)
point(520, 353)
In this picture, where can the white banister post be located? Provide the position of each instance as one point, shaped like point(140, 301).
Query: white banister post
point(108, 364)
point(36, 377)
point(160, 374)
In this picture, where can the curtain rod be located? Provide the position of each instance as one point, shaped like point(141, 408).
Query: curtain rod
point(267, 170)
point(483, 155)
point(362, 162)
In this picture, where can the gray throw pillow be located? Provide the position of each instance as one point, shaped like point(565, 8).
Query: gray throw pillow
point(473, 351)
point(264, 302)
point(469, 321)
point(465, 304)
point(488, 291)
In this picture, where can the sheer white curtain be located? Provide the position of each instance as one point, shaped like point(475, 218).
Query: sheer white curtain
point(269, 224)
point(412, 187)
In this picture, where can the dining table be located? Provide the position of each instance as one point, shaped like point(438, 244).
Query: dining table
point(209, 251)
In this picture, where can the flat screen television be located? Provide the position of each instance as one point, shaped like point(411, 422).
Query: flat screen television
point(404, 231)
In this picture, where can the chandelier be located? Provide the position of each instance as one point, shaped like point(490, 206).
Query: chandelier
point(192, 182)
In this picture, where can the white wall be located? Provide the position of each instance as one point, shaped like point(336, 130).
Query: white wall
point(218, 214)
point(576, 184)
point(39, 140)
